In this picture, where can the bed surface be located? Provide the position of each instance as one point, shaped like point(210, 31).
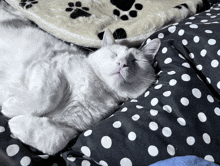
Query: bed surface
point(178, 116)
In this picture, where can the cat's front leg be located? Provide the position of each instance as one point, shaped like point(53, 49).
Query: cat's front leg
point(41, 133)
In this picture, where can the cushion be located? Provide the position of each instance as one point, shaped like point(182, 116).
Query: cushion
point(84, 22)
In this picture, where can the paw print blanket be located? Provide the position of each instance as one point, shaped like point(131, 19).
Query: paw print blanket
point(84, 22)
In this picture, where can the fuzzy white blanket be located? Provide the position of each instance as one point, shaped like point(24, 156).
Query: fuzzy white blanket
point(83, 22)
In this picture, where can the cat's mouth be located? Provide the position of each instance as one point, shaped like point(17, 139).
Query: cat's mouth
point(123, 72)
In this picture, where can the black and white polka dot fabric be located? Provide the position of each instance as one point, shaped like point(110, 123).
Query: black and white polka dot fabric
point(178, 116)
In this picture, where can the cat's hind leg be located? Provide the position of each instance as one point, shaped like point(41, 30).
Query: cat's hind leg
point(46, 90)
point(41, 133)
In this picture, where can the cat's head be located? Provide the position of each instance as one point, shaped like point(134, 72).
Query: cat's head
point(127, 71)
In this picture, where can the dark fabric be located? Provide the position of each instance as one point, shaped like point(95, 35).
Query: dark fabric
point(179, 115)
point(20, 154)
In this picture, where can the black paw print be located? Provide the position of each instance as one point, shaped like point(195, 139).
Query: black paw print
point(27, 3)
point(77, 10)
point(126, 6)
point(119, 33)
point(180, 6)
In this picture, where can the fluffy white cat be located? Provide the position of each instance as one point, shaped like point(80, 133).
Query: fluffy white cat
point(52, 90)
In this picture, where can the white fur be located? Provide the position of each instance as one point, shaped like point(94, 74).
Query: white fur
point(52, 90)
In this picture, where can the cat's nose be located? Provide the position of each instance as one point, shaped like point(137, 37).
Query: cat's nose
point(122, 63)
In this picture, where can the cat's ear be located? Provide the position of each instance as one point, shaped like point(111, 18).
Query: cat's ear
point(108, 38)
point(152, 47)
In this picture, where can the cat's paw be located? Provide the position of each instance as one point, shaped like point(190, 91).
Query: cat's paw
point(10, 108)
point(17, 127)
point(40, 133)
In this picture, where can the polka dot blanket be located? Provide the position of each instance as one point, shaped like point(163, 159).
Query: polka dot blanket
point(84, 22)
point(178, 116)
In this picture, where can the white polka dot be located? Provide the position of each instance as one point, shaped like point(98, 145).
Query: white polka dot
point(185, 77)
point(214, 63)
point(216, 8)
point(167, 93)
point(218, 52)
point(2, 129)
point(153, 112)
point(153, 126)
point(147, 93)
point(204, 20)
point(190, 140)
point(172, 82)
point(184, 101)
point(124, 109)
point(184, 42)
point(160, 35)
point(164, 50)
point(199, 67)
point(211, 41)
point(153, 150)
point(106, 142)
point(154, 101)
point(218, 85)
point(182, 57)
point(196, 39)
point(168, 60)
point(197, 93)
point(185, 64)
point(86, 151)
point(181, 32)
point(171, 150)
point(88, 133)
point(71, 158)
point(125, 162)
point(45, 156)
point(167, 132)
point(25, 161)
point(135, 117)
point(208, 31)
point(103, 163)
point(158, 86)
point(139, 107)
point(191, 55)
point(206, 138)
point(85, 163)
point(188, 23)
point(193, 26)
point(210, 98)
point(171, 72)
point(203, 53)
point(172, 29)
point(217, 111)
point(209, 158)
point(192, 18)
point(134, 101)
point(132, 136)
point(202, 117)
point(12, 150)
point(208, 80)
point(181, 121)
point(167, 108)
point(117, 124)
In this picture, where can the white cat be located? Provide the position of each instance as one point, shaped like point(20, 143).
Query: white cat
point(52, 90)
